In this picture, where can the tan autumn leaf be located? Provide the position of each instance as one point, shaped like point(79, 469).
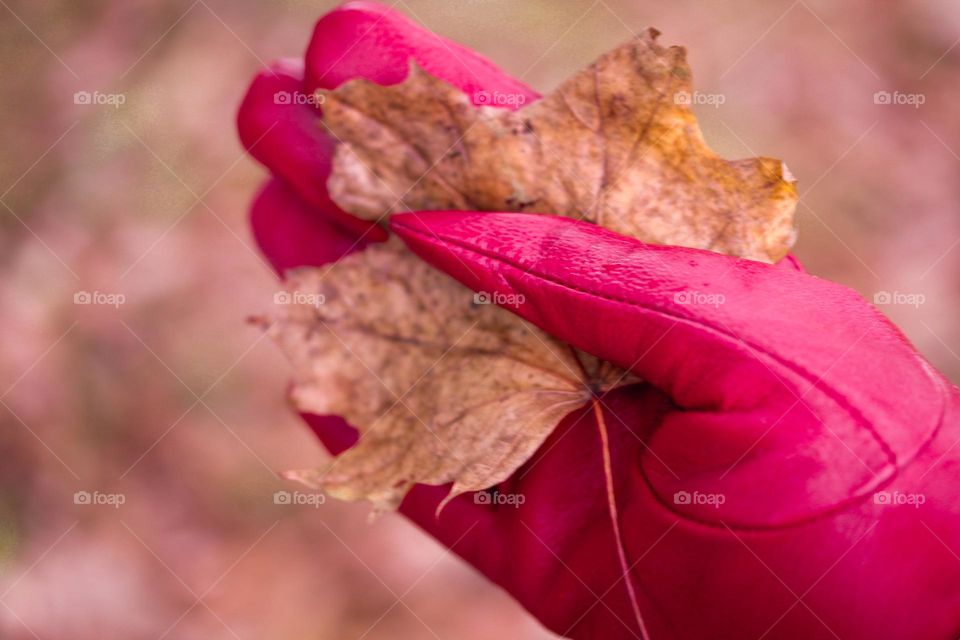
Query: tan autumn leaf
point(617, 144)
point(443, 389)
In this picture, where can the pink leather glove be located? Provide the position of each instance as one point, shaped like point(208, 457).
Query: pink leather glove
point(787, 468)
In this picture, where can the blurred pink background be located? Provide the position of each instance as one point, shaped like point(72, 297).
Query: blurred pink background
point(162, 398)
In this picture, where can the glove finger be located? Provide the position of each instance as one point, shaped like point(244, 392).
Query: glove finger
point(292, 233)
point(666, 313)
point(282, 130)
point(367, 40)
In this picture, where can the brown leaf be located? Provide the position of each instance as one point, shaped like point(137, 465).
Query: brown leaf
point(442, 388)
point(446, 390)
point(617, 144)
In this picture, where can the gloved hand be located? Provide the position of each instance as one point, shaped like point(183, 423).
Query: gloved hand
point(787, 468)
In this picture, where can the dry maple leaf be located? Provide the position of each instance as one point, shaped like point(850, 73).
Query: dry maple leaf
point(617, 144)
point(444, 389)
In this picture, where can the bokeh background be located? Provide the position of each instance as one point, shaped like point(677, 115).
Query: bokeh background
point(173, 405)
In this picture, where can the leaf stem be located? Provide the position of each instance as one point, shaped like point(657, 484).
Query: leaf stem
point(614, 516)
